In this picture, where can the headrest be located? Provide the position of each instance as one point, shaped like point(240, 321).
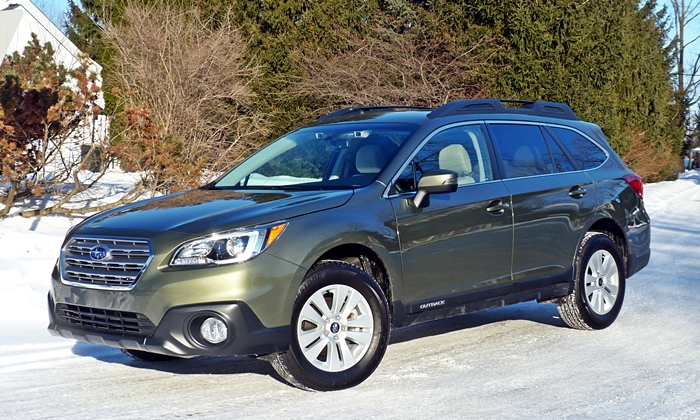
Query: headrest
point(369, 159)
point(455, 158)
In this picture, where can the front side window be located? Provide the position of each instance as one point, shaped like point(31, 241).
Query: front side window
point(337, 156)
point(586, 153)
point(523, 150)
point(459, 149)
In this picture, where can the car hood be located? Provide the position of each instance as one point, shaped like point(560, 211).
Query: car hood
point(199, 212)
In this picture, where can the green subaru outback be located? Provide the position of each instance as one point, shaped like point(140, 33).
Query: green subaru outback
point(309, 252)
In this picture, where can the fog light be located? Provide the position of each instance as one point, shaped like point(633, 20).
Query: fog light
point(214, 330)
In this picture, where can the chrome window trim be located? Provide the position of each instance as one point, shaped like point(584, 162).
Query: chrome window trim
point(539, 175)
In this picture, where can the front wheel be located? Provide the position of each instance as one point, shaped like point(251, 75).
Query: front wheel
point(599, 287)
point(340, 329)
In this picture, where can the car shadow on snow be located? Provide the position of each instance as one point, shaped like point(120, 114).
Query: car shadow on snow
point(203, 365)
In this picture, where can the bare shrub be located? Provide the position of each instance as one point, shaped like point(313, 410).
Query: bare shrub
point(653, 162)
point(45, 112)
point(191, 75)
point(159, 160)
point(388, 67)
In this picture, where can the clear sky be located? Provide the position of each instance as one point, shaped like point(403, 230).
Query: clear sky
point(53, 9)
point(61, 4)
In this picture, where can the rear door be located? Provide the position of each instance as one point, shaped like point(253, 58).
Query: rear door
point(461, 242)
point(552, 200)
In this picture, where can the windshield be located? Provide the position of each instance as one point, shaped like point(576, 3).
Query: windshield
point(336, 156)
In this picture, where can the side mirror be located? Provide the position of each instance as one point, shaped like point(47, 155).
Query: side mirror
point(434, 182)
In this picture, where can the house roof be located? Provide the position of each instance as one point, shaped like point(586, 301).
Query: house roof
point(20, 18)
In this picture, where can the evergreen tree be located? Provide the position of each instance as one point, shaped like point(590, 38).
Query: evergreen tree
point(84, 27)
point(279, 29)
point(605, 58)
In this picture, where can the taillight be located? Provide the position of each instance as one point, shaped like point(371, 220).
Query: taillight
point(635, 182)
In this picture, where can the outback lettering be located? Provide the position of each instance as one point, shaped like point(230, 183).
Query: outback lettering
point(432, 304)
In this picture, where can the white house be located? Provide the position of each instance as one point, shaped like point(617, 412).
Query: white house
point(20, 18)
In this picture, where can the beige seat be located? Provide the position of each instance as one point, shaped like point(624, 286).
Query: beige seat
point(524, 163)
point(456, 158)
point(369, 159)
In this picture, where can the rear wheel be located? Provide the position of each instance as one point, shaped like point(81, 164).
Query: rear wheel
point(148, 356)
point(340, 329)
point(599, 287)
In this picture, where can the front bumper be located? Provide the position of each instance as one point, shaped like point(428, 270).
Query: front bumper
point(177, 333)
point(266, 284)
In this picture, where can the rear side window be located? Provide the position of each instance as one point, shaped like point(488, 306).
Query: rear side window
point(587, 154)
point(523, 150)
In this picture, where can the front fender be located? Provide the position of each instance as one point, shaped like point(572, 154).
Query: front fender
point(365, 220)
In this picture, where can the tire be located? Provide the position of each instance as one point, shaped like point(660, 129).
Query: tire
point(333, 345)
point(148, 356)
point(599, 286)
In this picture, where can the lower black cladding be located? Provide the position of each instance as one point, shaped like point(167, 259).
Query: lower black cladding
point(247, 335)
point(105, 320)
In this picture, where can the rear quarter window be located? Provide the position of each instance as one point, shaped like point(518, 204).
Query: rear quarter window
point(561, 161)
point(587, 154)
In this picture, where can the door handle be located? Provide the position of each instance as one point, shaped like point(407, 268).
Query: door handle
point(497, 207)
point(577, 192)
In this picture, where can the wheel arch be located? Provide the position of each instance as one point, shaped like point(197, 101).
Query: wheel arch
point(612, 229)
point(365, 259)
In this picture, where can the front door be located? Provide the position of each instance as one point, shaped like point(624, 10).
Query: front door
point(462, 241)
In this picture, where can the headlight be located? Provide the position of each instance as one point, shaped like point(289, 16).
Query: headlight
point(228, 247)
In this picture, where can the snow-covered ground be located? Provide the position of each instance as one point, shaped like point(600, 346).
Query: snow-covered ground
point(513, 362)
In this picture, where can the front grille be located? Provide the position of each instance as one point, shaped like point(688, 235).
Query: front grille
point(105, 320)
point(119, 268)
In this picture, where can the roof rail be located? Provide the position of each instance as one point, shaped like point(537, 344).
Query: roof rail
point(498, 106)
point(359, 110)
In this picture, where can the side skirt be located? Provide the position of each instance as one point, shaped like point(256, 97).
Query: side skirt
point(542, 289)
